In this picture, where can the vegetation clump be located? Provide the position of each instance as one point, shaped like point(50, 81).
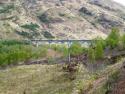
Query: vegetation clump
point(60, 48)
point(96, 50)
point(113, 38)
point(6, 9)
point(123, 41)
point(13, 52)
point(48, 35)
point(30, 26)
point(99, 51)
point(29, 35)
point(91, 55)
point(16, 51)
point(43, 18)
point(76, 49)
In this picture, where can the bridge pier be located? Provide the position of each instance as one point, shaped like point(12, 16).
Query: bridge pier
point(37, 44)
point(67, 42)
point(69, 55)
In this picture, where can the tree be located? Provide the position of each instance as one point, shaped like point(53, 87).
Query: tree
point(91, 55)
point(113, 38)
point(123, 40)
point(76, 49)
point(99, 51)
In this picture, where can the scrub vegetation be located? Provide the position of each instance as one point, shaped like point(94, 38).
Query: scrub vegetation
point(58, 78)
point(13, 51)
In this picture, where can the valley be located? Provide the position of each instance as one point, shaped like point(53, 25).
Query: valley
point(61, 69)
point(62, 47)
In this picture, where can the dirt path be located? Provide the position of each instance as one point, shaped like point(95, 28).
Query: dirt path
point(119, 87)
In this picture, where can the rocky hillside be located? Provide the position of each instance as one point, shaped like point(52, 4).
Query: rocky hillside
point(59, 19)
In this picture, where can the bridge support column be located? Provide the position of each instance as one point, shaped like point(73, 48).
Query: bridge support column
point(69, 55)
point(37, 44)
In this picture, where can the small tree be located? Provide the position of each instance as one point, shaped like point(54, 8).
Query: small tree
point(113, 38)
point(3, 59)
point(123, 40)
point(76, 49)
point(91, 55)
point(99, 52)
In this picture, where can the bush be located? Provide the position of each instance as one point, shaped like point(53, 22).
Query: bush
point(39, 52)
point(76, 49)
point(3, 60)
point(12, 54)
point(48, 35)
point(12, 42)
point(24, 34)
point(6, 9)
point(43, 18)
point(30, 26)
point(123, 40)
point(60, 48)
point(91, 55)
point(99, 51)
point(113, 38)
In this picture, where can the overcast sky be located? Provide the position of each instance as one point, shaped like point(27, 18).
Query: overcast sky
point(121, 2)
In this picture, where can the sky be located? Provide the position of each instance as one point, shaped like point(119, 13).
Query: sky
point(121, 2)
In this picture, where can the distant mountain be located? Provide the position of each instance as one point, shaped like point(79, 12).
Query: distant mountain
point(59, 19)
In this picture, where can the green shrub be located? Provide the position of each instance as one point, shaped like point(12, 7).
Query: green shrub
point(3, 60)
point(15, 53)
point(24, 34)
point(91, 55)
point(48, 35)
point(96, 50)
point(60, 48)
point(43, 18)
point(99, 51)
point(6, 9)
point(76, 49)
point(123, 40)
point(39, 52)
point(113, 38)
point(12, 42)
point(30, 26)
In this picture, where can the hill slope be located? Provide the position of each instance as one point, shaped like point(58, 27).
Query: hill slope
point(59, 19)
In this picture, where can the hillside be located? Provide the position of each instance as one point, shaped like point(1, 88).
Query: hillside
point(59, 19)
point(51, 79)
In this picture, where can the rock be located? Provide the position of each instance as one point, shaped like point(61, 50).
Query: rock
point(86, 11)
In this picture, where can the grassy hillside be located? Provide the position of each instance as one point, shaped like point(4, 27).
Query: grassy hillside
point(55, 19)
point(51, 79)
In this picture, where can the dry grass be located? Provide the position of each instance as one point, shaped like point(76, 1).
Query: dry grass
point(34, 79)
point(48, 79)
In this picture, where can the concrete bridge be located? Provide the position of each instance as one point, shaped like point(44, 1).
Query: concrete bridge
point(38, 42)
point(67, 42)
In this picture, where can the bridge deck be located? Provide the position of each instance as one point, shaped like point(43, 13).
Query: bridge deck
point(45, 40)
